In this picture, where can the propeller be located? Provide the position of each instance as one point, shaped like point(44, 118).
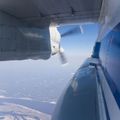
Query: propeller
point(56, 37)
point(73, 31)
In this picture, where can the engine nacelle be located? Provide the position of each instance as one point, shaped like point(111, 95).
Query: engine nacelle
point(19, 40)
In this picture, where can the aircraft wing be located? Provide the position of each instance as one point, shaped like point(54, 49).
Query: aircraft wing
point(42, 12)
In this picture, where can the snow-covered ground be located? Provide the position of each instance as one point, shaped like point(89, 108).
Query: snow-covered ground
point(10, 111)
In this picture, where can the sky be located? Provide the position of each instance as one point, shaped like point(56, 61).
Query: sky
point(46, 79)
point(80, 44)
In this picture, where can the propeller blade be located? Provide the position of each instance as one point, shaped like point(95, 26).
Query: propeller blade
point(75, 30)
point(63, 58)
point(62, 55)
